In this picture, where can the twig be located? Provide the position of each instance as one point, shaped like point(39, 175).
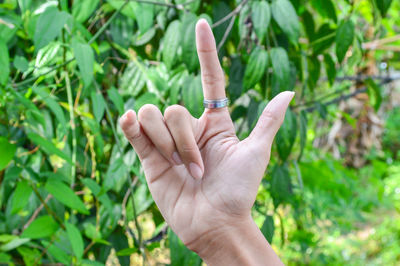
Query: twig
point(50, 211)
point(226, 34)
point(233, 13)
point(178, 6)
point(344, 97)
point(357, 78)
point(365, 77)
point(36, 213)
point(392, 48)
point(373, 45)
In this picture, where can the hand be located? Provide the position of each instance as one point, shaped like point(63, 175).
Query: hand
point(202, 178)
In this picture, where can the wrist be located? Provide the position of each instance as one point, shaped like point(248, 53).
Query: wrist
point(236, 243)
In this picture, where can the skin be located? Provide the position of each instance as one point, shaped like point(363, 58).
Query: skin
point(202, 178)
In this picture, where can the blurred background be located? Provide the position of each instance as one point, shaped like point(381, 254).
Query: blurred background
point(72, 190)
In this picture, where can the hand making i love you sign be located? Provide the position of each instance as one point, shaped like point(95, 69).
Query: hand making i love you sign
point(202, 178)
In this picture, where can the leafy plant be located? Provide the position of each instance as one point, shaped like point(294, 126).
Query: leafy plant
point(72, 189)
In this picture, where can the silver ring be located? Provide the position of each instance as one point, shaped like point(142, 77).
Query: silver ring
point(211, 104)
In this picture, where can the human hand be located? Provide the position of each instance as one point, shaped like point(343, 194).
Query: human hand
point(202, 178)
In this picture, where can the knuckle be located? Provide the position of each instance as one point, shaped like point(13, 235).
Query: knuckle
point(166, 147)
point(147, 111)
point(213, 79)
point(174, 113)
point(187, 150)
point(268, 115)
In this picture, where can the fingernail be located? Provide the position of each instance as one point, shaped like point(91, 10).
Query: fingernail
point(195, 171)
point(176, 158)
point(122, 119)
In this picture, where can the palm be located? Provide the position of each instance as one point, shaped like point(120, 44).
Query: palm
point(230, 170)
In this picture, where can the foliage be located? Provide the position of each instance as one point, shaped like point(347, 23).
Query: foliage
point(72, 189)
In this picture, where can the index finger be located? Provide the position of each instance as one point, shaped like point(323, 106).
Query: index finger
point(212, 75)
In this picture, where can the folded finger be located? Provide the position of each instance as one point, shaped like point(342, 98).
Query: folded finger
point(133, 132)
point(180, 123)
point(152, 122)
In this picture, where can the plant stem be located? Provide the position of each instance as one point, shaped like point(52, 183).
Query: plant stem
point(50, 211)
point(139, 229)
point(72, 122)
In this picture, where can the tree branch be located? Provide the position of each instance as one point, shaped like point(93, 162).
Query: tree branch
point(226, 34)
point(344, 97)
point(233, 13)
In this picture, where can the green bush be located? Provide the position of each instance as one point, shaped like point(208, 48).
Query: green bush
point(72, 189)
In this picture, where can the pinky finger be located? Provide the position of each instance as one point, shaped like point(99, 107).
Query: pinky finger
point(134, 133)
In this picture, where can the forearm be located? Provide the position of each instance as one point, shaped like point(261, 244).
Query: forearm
point(242, 244)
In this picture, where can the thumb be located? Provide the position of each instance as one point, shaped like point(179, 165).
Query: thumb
point(270, 120)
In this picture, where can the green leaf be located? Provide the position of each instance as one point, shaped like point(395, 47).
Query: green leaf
point(81, 10)
point(179, 253)
point(57, 253)
point(20, 63)
point(261, 16)
point(7, 152)
point(44, 226)
point(281, 67)
point(344, 38)
point(127, 251)
point(374, 93)
point(14, 243)
point(189, 53)
point(96, 190)
point(117, 100)
point(325, 8)
point(65, 195)
point(286, 135)
point(192, 95)
point(383, 6)
point(144, 16)
point(4, 62)
point(30, 255)
point(256, 68)
point(171, 43)
point(285, 16)
point(281, 185)
point(47, 146)
point(303, 132)
point(85, 60)
point(21, 196)
point(132, 81)
point(236, 75)
point(54, 107)
point(314, 71)
point(116, 175)
point(267, 228)
point(330, 68)
point(98, 105)
point(323, 38)
point(48, 26)
point(75, 238)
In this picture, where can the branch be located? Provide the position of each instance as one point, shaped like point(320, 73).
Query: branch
point(358, 78)
point(374, 45)
point(226, 34)
point(72, 122)
point(178, 6)
point(36, 213)
point(50, 211)
point(344, 97)
point(233, 13)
